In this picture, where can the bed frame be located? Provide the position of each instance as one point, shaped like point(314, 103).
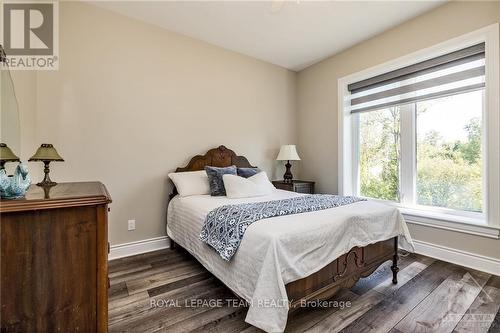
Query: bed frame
point(343, 272)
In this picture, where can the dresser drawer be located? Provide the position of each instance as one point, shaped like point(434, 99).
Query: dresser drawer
point(303, 188)
point(299, 186)
point(284, 186)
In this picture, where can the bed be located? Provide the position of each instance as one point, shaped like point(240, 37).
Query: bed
point(285, 261)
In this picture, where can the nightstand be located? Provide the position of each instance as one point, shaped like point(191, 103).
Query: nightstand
point(299, 186)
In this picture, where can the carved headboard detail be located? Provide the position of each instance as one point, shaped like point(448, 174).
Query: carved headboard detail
point(217, 157)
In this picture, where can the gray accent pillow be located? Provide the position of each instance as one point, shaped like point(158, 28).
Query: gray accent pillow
point(215, 179)
point(248, 172)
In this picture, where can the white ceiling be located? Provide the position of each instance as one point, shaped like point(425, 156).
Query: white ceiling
point(290, 34)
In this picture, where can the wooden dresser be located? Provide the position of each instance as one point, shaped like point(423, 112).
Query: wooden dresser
point(54, 259)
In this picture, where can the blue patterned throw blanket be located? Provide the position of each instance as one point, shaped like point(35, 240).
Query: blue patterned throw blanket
point(224, 226)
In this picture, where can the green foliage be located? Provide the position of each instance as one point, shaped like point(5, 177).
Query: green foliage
point(471, 150)
point(449, 174)
point(380, 154)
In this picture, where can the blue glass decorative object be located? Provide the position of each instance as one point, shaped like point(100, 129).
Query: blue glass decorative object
point(15, 186)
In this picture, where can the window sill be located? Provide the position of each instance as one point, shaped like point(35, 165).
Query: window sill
point(452, 223)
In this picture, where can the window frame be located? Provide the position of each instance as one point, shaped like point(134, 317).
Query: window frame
point(489, 224)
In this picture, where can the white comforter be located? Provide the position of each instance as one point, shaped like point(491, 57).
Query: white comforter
point(282, 249)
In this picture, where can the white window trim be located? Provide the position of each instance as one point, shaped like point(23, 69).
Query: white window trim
point(490, 226)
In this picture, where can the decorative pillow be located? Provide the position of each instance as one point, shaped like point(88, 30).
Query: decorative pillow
point(190, 182)
point(254, 186)
point(215, 178)
point(248, 172)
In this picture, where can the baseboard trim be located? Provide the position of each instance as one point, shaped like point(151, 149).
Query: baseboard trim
point(463, 258)
point(142, 246)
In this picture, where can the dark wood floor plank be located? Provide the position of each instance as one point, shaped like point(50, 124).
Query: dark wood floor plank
point(133, 307)
point(160, 318)
point(127, 308)
point(405, 275)
point(162, 278)
point(205, 318)
point(393, 308)
point(394, 330)
point(481, 314)
point(455, 295)
point(168, 260)
point(129, 270)
point(232, 323)
point(130, 313)
point(175, 275)
point(495, 325)
point(117, 291)
point(252, 329)
point(341, 319)
point(494, 281)
point(145, 258)
point(200, 276)
point(305, 318)
point(382, 273)
point(149, 270)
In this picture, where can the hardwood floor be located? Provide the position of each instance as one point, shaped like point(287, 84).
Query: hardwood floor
point(169, 291)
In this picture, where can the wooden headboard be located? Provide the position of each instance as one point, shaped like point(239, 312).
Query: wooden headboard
point(217, 157)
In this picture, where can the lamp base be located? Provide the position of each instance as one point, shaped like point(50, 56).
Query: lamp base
point(288, 177)
point(46, 183)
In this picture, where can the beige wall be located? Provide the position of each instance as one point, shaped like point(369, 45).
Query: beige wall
point(317, 99)
point(131, 102)
point(25, 88)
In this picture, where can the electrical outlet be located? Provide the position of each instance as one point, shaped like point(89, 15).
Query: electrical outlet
point(131, 225)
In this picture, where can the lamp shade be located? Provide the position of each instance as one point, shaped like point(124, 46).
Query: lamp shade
point(46, 152)
point(288, 153)
point(6, 154)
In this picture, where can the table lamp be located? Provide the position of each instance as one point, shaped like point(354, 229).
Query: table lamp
point(6, 155)
point(46, 153)
point(288, 153)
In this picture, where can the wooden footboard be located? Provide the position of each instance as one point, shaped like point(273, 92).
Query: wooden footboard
point(343, 272)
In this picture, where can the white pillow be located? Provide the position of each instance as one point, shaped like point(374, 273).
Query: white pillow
point(255, 186)
point(190, 182)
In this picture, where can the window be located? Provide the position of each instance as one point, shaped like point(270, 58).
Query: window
point(448, 157)
point(440, 102)
point(449, 152)
point(422, 132)
point(379, 154)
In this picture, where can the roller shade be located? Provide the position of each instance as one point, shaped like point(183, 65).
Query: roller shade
point(449, 74)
